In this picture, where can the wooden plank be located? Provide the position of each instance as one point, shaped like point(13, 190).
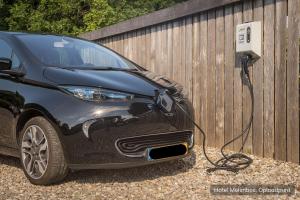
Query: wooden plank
point(158, 50)
point(247, 7)
point(134, 47)
point(293, 81)
point(211, 76)
point(258, 80)
point(229, 66)
point(181, 75)
point(121, 44)
point(143, 47)
point(153, 48)
point(138, 47)
point(164, 52)
point(175, 12)
point(237, 99)
point(109, 42)
point(219, 77)
point(170, 50)
point(280, 80)
point(203, 71)
point(129, 48)
point(176, 50)
point(269, 15)
point(104, 42)
point(126, 45)
point(189, 58)
point(116, 43)
point(148, 49)
point(196, 72)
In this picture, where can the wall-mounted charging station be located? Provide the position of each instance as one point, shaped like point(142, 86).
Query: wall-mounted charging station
point(248, 39)
point(248, 46)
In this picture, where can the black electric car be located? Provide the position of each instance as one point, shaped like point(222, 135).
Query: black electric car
point(67, 103)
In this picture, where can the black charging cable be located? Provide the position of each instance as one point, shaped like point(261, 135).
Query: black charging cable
point(236, 161)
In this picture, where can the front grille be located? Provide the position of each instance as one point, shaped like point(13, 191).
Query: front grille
point(136, 146)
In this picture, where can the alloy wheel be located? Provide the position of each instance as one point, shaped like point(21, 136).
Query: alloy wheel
point(35, 154)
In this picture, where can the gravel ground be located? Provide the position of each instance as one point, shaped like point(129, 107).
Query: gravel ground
point(183, 179)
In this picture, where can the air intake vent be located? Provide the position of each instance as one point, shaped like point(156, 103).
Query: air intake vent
point(136, 146)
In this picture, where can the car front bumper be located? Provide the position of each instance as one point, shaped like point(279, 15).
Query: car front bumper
point(112, 123)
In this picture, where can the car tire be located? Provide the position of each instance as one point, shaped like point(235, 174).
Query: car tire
point(42, 156)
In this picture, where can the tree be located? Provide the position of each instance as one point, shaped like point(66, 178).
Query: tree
point(103, 13)
point(4, 12)
point(72, 16)
point(53, 16)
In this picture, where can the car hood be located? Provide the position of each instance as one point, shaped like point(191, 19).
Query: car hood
point(136, 82)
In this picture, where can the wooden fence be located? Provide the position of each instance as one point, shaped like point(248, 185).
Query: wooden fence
point(194, 44)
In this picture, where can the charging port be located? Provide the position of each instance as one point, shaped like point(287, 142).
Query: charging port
point(167, 151)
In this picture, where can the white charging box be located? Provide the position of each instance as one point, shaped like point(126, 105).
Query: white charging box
point(248, 39)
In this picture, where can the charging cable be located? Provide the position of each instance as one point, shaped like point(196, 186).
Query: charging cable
point(237, 161)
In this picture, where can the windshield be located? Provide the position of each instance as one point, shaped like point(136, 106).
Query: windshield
point(66, 52)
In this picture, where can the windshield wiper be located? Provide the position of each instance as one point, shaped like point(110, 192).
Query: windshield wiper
point(101, 68)
point(112, 69)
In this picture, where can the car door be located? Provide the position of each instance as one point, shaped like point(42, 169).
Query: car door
point(8, 97)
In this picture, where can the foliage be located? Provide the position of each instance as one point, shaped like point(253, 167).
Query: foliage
point(4, 12)
point(53, 16)
point(72, 16)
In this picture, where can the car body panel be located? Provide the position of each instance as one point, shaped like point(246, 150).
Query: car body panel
point(39, 90)
point(8, 102)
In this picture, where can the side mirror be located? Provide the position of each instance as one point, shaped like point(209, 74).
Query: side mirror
point(5, 64)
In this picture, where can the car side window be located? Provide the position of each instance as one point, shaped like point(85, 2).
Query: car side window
point(7, 52)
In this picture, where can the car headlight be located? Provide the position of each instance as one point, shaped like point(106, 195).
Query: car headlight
point(97, 94)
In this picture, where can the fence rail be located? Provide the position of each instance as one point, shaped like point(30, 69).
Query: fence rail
point(196, 47)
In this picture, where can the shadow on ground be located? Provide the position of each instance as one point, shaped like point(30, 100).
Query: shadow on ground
point(135, 174)
point(10, 161)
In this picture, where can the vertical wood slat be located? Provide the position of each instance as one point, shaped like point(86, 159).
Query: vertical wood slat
point(134, 55)
point(138, 48)
point(237, 99)
point(148, 48)
point(189, 58)
point(258, 80)
point(229, 66)
point(199, 52)
point(196, 71)
point(280, 80)
point(126, 45)
point(203, 72)
point(176, 51)
point(219, 77)
point(211, 76)
point(170, 49)
point(153, 48)
point(247, 11)
point(144, 47)
point(129, 48)
point(293, 82)
point(117, 45)
point(121, 43)
point(269, 14)
point(181, 66)
point(164, 45)
point(158, 50)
